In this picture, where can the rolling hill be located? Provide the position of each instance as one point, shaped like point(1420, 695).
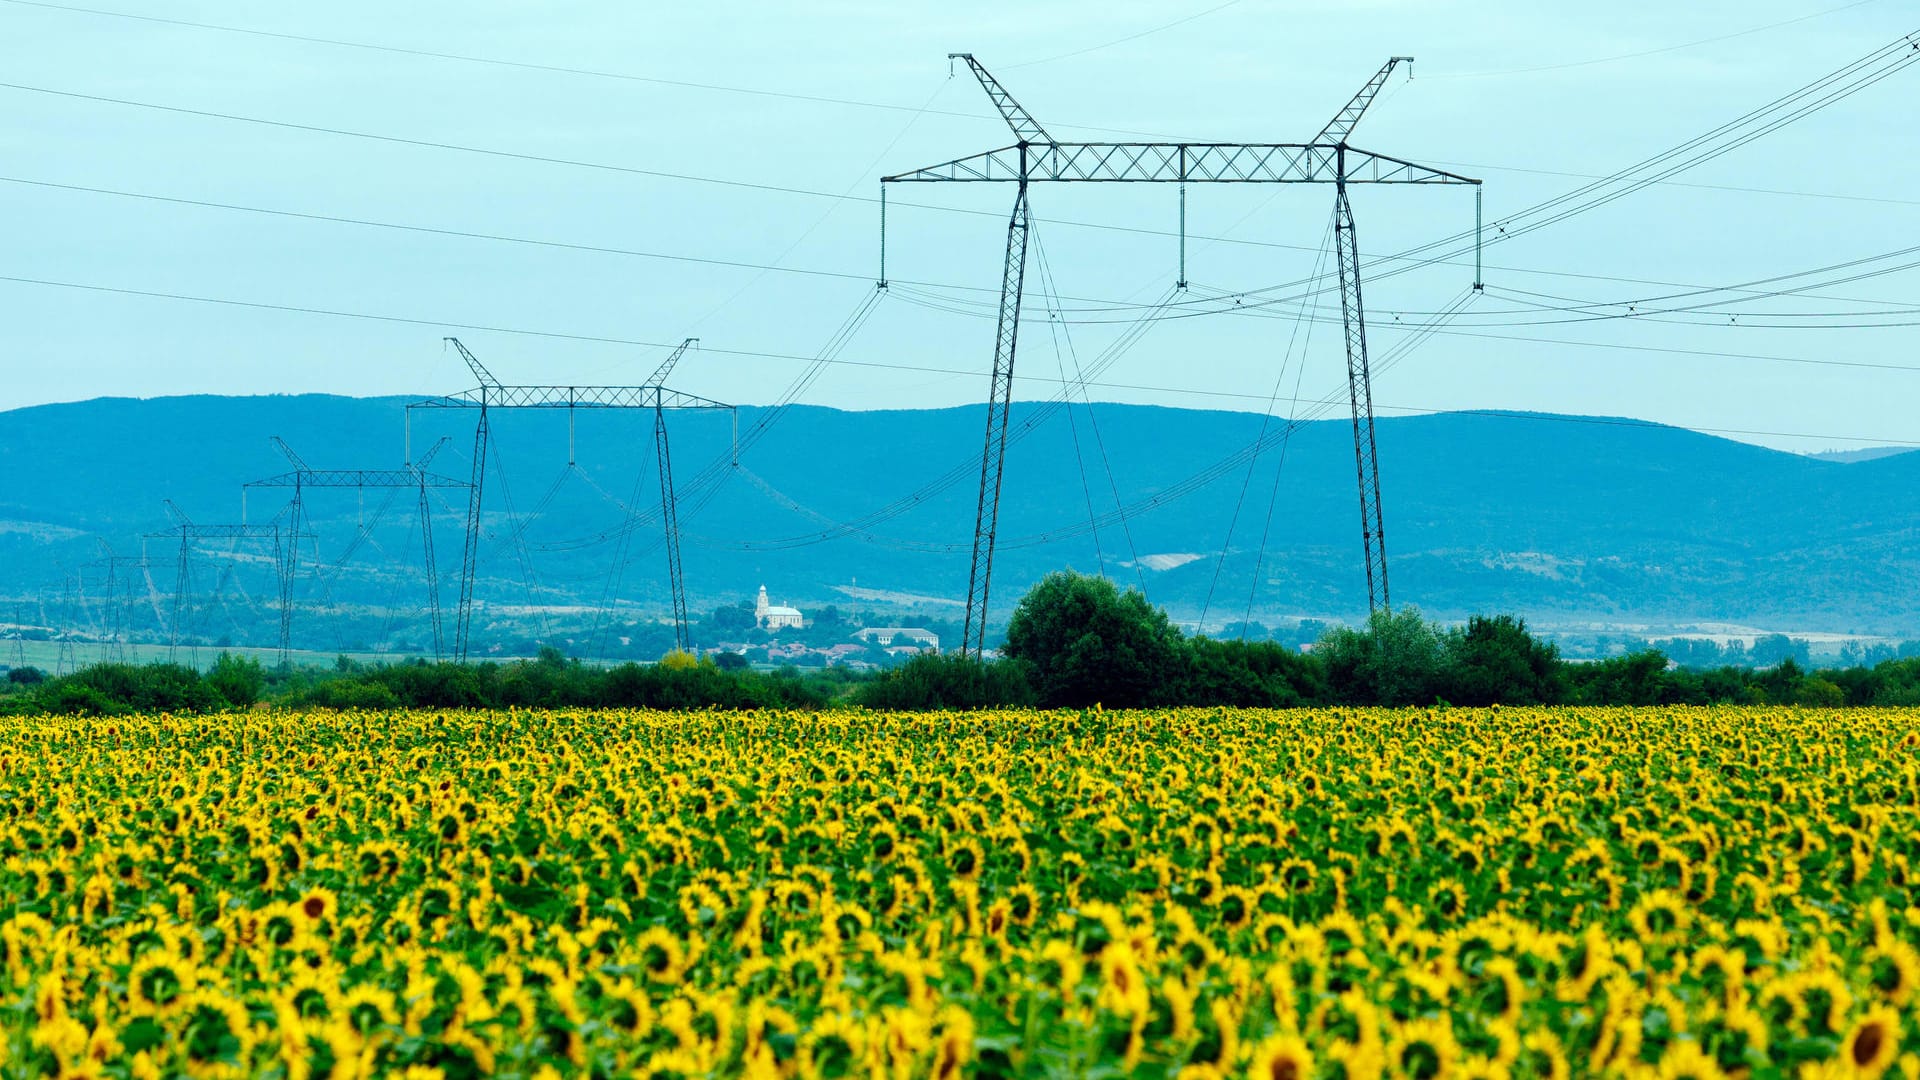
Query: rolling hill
point(1566, 520)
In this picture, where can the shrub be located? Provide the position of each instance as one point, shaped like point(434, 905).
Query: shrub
point(1494, 660)
point(238, 679)
point(950, 681)
point(1246, 673)
point(1397, 660)
point(1090, 643)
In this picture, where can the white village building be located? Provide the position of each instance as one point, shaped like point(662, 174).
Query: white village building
point(773, 617)
point(887, 635)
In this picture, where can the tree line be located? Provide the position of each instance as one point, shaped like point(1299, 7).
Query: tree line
point(1074, 641)
point(1077, 640)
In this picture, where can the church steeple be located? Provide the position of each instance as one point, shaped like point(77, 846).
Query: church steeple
point(761, 605)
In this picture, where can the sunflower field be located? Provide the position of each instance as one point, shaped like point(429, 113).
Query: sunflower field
point(1202, 893)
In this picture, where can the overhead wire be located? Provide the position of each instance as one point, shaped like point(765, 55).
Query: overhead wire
point(1823, 13)
point(927, 290)
point(1073, 427)
point(494, 61)
point(1093, 419)
point(1266, 415)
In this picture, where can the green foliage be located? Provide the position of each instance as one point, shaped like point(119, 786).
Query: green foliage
point(1398, 659)
point(1090, 643)
point(240, 680)
point(1818, 692)
point(950, 681)
point(1261, 674)
point(1495, 660)
point(26, 676)
point(1635, 679)
point(122, 689)
point(552, 681)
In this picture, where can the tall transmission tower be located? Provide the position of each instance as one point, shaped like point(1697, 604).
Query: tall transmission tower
point(65, 662)
point(190, 533)
point(413, 476)
point(1037, 156)
point(491, 394)
point(118, 629)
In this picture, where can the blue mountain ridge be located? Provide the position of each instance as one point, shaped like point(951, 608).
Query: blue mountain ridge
point(1564, 520)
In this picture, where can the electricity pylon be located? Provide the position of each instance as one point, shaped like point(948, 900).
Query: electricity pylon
point(491, 394)
point(190, 531)
point(1037, 156)
point(411, 476)
point(118, 630)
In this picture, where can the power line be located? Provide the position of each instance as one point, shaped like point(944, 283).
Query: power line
point(1653, 52)
point(743, 264)
point(430, 144)
point(557, 69)
point(1130, 37)
point(1685, 183)
point(603, 339)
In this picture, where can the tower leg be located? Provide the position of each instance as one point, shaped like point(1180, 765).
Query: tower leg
point(1366, 456)
point(999, 402)
point(670, 519)
point(463, 623)
point(433, 573)
point(289, 564)
point(179, 599)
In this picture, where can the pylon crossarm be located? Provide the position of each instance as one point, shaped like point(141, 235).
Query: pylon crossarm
point(1348, 117)
point(1196, 163)
point(473, 364)
point(358, 478)
point(1025, 127)
point(570, 397)
point(666, 367)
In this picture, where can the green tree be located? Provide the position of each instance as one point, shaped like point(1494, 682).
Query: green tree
point(239, 679)
point(1398, 659)
point(949, 681)
point(1090, 643)
point(1262, 674)
point(1819, 692)
point(1494, 660)
point(1638, 678)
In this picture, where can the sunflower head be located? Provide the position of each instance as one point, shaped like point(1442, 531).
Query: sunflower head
point(1893, 969)
point(662, 956)
point(1423, 1048)
point(159, 984)
point(317, 905)
point(1874, 1041)
point(214, 1031)
point(1283, 1057)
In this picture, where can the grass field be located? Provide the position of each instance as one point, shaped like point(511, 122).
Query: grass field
point(1196, 893)
point(46, 655)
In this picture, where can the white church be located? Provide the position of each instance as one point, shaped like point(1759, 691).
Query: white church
point(774, 617)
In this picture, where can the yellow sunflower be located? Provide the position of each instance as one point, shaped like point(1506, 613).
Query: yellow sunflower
point(158, 984)
point(1660, 917)
point(214, 1033)
point(1683, 1059)
point(662, 956)
point(1422, 1048)
point(1893, 969)
point(1873, 1042)
point(1281, 1057)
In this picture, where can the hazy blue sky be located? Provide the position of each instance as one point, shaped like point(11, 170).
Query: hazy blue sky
point(1502, 90)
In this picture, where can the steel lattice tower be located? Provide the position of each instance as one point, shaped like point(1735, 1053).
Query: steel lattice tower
point(1037, 156)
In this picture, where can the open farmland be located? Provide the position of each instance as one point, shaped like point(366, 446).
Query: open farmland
point(1337, 892)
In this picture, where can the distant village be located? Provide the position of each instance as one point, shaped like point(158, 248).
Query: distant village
point(777, 634)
